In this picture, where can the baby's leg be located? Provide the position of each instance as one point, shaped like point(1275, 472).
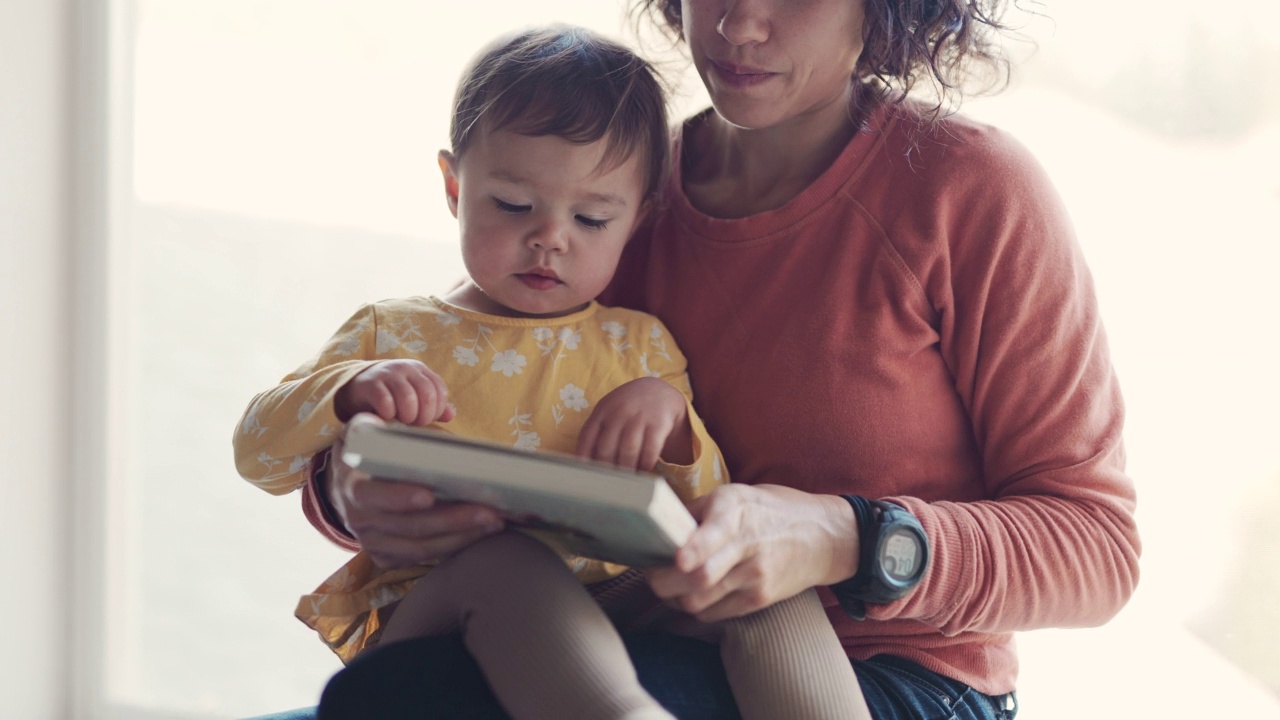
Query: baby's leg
point(546, 648)
point(786, 662)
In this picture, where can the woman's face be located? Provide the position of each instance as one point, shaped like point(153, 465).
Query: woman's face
point(766, 62)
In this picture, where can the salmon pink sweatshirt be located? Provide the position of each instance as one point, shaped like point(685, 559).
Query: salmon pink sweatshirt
point(918, 325)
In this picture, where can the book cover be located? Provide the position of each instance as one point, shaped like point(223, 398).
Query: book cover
point(593, 509)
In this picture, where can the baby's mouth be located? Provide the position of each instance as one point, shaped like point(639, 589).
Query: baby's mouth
point(540, 278)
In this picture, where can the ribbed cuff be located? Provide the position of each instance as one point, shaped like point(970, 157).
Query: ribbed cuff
point(316, 507)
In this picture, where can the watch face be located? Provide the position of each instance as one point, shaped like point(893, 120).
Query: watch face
point(900, 555)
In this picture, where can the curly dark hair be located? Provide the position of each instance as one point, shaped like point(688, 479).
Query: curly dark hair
point(948, 43)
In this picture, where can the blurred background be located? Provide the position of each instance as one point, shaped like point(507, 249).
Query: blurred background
point(194, 194)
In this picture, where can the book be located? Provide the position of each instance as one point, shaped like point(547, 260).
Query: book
point(591, 509)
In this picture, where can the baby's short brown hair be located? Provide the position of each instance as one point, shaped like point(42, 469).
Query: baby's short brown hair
point(571, 83)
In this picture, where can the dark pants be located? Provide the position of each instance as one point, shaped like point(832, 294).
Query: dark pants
point(436, 678)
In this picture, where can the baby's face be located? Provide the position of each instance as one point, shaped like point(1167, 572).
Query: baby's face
point(542, 221)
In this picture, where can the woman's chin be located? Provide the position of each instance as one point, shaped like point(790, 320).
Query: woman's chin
point(751, 115)
point(758, 111)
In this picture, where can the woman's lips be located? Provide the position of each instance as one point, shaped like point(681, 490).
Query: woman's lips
point(740, 75)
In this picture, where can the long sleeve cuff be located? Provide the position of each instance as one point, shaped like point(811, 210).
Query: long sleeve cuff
point(316, 508)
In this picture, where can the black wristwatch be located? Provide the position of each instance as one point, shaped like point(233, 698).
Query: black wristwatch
point(894, 556)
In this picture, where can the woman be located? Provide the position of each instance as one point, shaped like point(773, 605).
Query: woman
point(891, 324)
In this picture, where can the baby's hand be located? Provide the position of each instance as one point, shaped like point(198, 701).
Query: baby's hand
point(403, 390)
point(637, 423)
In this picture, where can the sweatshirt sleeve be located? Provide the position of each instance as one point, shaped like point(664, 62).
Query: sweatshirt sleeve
point(285, 426)
point(1056, 544)
point(316, 509)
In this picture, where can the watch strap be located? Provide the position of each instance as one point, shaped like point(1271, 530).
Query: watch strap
point(849, 592)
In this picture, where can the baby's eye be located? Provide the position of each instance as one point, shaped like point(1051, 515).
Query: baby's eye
point(591, 223)
point(511, 208)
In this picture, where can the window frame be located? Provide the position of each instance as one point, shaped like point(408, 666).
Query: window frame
point(101, 68)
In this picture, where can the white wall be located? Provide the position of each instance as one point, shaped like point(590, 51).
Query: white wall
point(35, 203)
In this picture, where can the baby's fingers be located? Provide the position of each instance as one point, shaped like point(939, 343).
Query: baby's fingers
point(604, 443)
point(430, 399)
point(630, 446)
point(378, 398)
point(651, 451)
point(640, 446)
point(587, 438)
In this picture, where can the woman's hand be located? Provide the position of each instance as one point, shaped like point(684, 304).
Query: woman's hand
point(757, 545)
point(401, 524)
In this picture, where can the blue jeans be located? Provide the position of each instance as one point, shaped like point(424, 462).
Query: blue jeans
point(436, 678)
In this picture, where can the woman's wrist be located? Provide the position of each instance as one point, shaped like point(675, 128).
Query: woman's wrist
point(843, 532)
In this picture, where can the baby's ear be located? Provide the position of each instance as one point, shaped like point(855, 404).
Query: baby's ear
point(449, 169)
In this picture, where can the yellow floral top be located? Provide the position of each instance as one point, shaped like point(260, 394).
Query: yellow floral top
point(529, 382)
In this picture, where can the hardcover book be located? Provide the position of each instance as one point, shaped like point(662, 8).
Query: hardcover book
point(593, 509)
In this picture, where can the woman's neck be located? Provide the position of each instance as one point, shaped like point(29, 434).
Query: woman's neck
point(733, 172)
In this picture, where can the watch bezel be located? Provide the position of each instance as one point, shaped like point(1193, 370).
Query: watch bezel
point(902, 523)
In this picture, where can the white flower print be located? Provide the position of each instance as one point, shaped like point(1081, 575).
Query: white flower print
point(466, 356)
point(644, 366)
point(574, 397)
point(305, 409)
point(269, 461)
point(508, 362)
point(694, 478)
point(544, 337)
point(547, 340)
point(716, 468)
point(386, 342)
point(402, 334)
point(448, 319)
point(658, 342)
point(251, 424)
point(348, 346)
point(300, 463)
point(528, 441)
point(525, 439)
point(617, 333)
point(570, 337)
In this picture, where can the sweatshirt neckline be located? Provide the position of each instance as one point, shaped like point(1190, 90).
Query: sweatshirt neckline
point(516, 322)
point(780, 219)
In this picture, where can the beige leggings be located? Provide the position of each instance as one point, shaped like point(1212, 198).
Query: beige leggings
point(550, 650)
